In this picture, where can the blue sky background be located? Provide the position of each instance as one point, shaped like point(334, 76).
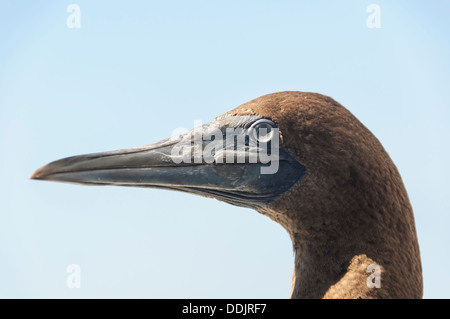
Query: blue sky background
point(137, 70)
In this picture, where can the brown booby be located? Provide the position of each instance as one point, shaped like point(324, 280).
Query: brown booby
point(334, 189)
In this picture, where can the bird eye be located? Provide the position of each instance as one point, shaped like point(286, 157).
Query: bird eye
point(262, 130)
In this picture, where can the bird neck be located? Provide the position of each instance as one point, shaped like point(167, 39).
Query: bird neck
point(359, 263)
point(366, 253)
point(333, 272)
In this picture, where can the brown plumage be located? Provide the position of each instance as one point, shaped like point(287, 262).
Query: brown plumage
point(337, 193)
point(351, 209)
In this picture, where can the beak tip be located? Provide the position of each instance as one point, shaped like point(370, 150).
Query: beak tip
point(38, 174)
point(34, 176)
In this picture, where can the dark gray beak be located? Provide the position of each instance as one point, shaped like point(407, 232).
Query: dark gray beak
point(176, 164)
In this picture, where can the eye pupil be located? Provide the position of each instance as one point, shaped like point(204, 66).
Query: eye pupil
point(262, 130)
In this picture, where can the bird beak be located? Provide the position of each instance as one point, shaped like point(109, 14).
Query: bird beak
point(175, 164)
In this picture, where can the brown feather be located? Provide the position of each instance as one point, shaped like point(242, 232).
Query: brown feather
point(351, 210)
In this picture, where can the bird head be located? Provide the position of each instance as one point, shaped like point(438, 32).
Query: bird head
point(275, 147)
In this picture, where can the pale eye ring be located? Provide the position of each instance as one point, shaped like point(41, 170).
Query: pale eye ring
point(262, 130)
